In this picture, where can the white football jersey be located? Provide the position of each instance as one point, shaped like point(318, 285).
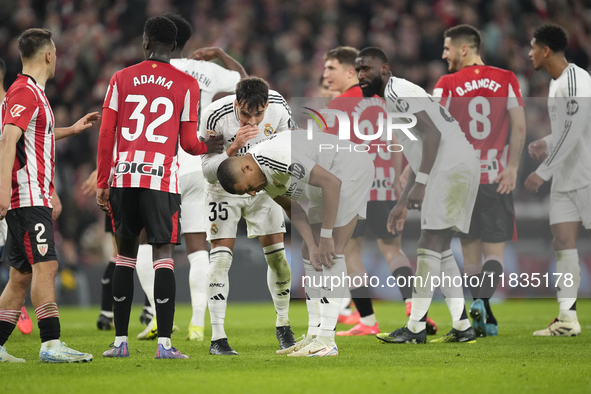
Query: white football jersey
point(212, 79)
point(287, 159)
point(569, 106)
point(403, 96)
point(221, 118)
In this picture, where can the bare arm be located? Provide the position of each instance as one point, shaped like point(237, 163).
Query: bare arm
point(82, 124)
point(431, 139)
point(213, 52)
point(508, 177)
point(10, 137)
point(331, 194)
point(300, 221)
point(397, 164)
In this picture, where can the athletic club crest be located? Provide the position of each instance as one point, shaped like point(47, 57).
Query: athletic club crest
point(42, 248)
point(268, 129)
point(214, 229)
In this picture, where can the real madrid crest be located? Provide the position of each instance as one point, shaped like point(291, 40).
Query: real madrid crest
point(214, 229)
point(268, 129)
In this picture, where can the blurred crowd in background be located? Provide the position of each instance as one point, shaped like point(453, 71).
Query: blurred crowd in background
point(280, 41)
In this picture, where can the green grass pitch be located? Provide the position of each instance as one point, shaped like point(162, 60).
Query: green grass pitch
point(513, 362)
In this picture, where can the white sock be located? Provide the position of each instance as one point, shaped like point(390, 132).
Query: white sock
point(145, 272)
point(199, 263)
point(120, 340)
point(454, 295)
point(278, 281)
point(331, 296)
point(428, 266)
point(220, 260)
point(312, 283)
point(567, 262)
point(108, 314)
point(51, 343)
point(345, 310)
point(164, 341)
point(369, 320)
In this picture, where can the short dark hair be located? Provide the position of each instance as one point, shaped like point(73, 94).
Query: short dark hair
point(345, 55)
point(160, 30)
point(227, 176)
point(552, 36)
point(32, 40)
point(374, 52)
point(184, 29)
point(253, 92)
point(469, 34)
point(2, 69)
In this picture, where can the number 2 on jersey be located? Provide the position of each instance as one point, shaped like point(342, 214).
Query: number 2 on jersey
point(479, 120)
point(140, 118)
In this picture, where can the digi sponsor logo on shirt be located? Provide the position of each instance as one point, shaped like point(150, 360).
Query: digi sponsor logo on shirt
point(125, 167)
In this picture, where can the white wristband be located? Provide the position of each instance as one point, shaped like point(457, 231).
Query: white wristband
point(325, 233)
point(422, 178)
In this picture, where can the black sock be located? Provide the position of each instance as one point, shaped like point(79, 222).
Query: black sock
point(491, 276)
point(164, 297)
point(362, 301)
point(473, 285)
point(107, 288)
point(6, 329)
point(49, 329)
point(464, 314)
point(490, 319)
point(406, 288)
point(123, 297)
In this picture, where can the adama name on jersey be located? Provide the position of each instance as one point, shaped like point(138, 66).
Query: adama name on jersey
point(478, 84)
point(143, 79)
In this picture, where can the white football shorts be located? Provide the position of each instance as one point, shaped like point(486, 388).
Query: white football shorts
point(192, 203)
point(354, 196)
point(573, 206)
point(223, 212)
point(450, 196)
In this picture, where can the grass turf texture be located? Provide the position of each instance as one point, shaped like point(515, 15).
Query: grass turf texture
point(515, 361)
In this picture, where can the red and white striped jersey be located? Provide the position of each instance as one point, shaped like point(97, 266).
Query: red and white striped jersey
point(151, 99)
point(368, 111)
point(27, 107)
point(479, 98)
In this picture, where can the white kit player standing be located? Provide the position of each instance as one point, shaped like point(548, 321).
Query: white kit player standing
point(567, 163)
point(444, 190)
